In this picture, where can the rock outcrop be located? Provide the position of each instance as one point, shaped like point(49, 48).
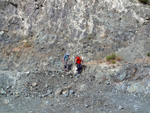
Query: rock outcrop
point(34, 36)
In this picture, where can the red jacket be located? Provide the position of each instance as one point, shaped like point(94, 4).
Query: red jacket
point(78, 60)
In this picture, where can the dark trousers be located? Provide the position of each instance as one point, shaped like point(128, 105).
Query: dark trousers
point(79, 68)
point(66, 65)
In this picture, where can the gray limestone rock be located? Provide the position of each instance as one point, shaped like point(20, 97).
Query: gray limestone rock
point(58, 92)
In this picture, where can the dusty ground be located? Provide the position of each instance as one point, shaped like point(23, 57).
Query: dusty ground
point(66, 93)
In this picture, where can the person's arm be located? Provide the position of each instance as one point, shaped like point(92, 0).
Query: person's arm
point(82, 61)
point(75, 60)
point(63, 60)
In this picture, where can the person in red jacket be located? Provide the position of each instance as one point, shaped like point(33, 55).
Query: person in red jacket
point(79, 61)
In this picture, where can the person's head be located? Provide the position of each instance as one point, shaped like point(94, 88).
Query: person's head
point(67, 53)
point(76, 56)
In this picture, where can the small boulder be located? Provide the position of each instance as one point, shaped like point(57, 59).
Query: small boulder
point(1, 33)
point(66, 93)
point(34, 84)
point(71, 92)
point(87, 105)
point(2, 92)
point(58, 92)
point(120, 107)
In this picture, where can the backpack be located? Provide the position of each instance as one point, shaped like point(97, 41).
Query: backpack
point(66, 57)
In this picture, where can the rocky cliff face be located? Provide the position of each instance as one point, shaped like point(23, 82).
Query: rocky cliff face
point(35, 34)
point(91, 26)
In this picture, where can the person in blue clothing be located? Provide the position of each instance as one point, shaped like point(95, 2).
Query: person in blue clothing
point(65, 61)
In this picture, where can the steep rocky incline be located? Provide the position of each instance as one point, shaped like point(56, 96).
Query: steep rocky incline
point(104, 88)
point(92, 28)
point(35, 34)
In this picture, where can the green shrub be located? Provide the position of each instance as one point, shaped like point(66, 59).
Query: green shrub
point(113, 61)
point(148, 54)
point(27, 44)
point(25, 38)
point(111, 57)
point(89, 37)
point(144, 1)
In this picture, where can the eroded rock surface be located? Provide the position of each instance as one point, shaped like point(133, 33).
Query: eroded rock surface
point(35, 34)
